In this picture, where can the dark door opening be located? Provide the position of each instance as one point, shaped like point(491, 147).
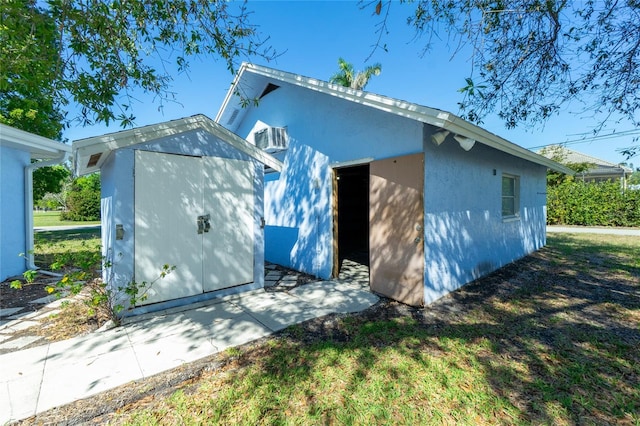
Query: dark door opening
point(353, 213)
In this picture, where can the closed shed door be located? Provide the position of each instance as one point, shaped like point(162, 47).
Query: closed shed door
point(168, 199)
point(228, 246)
point(396, 219)
point(194, 213)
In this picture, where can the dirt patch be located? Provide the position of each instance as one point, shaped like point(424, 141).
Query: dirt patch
point(22, 298)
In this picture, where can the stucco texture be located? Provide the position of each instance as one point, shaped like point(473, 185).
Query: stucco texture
point(465, 235)
point(12, 211)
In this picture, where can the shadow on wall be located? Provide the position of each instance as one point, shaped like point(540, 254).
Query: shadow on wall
point(466, 236)
point(298, 212)
point(463, 246)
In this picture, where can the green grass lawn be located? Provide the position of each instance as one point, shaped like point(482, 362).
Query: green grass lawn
point(50, 246)
point(52, 218)
point(553, 339)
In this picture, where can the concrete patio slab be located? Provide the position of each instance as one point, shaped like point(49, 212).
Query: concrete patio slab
point(20, 382)
point(325, 294)
point(43, 377)
point(259, 300)
point(44, 300)
point(19, 325)
point(20, 342)
point(70, 379)
point(5, 312)
point(80, 349)
point(283, 314)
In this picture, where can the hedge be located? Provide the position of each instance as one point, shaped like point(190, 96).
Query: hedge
point(592, 204)
point(82, 205)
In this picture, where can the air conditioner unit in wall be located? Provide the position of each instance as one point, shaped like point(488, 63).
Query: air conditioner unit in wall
point(272, 139)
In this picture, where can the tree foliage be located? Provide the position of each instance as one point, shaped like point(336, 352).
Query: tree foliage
point(531, 58)
point(347, 76)
point(108, 49)
point(558, 154)
point(48, 180)
point(29, 54)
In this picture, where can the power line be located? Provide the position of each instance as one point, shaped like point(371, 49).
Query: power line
point(626, 133)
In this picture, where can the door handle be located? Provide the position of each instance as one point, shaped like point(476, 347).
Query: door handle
point(204, 223)
point(207, 222)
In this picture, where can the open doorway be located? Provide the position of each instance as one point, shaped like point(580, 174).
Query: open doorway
point(352, 214)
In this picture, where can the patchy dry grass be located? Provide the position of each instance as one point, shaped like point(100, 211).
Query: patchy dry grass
point(70, 321)
point(553, 339)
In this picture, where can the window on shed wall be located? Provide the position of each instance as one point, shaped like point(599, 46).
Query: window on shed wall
point(510, 196)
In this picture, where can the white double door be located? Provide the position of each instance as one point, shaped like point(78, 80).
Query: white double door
point(196, 213)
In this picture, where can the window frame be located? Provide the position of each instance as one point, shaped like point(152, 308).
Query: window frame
point(515, 197)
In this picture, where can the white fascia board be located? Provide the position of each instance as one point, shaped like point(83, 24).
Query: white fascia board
point(231, 92)
point(464, 128)
point(39, 146)
point(431, 116)
point(84, 148)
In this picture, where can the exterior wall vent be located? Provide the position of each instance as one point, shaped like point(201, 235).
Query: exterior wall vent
point(233, 117)
point(272, 139)
point(93, 160)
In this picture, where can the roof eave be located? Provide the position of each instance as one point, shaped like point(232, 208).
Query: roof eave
point(39, 147)
point(431, 116)
point(106, 143)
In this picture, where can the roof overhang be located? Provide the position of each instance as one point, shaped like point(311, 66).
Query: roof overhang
point(39, 147)
point(90, 154)
point(252, 79)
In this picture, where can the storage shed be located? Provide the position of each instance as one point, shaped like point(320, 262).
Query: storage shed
point(17, 150)
point(187, 193)
point(428, 200)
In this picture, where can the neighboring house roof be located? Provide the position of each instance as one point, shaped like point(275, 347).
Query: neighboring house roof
point(599, 167)
point(254, 81)
point(91, 153)
point(39, 147)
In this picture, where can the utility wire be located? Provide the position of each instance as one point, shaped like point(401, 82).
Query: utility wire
point(625, 133)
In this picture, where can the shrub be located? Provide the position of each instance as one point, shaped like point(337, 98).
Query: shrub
point(83, 200)
point(592, 204)
point(82, 205)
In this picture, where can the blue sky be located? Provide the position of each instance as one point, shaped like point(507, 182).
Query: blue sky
point(311, 35)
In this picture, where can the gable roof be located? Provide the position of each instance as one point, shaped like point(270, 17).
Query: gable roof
point(90, 153)
point(39, 147)
point(252, 81)
point(599, 166)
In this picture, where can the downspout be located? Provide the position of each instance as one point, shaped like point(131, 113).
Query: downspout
point(28, 205)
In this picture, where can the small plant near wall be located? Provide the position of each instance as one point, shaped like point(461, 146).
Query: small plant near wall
point(81, 276)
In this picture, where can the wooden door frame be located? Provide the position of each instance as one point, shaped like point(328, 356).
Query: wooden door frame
point(335, 270)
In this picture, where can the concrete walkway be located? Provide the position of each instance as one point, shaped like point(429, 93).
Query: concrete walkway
point(593, 230)
point(54, 374)
point(64, 228)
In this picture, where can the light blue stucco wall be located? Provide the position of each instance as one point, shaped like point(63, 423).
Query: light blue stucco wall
point(322, 130)
point(118, 203)
point(465, 234)
point(12, 211)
